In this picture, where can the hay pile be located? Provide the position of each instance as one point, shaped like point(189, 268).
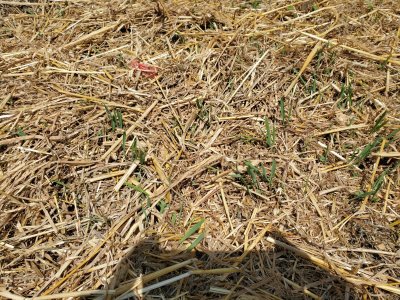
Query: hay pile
point(199, 149)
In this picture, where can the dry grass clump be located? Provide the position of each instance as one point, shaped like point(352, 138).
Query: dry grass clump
point(200, 149)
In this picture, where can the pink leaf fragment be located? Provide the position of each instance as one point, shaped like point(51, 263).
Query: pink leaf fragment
point(145, 69)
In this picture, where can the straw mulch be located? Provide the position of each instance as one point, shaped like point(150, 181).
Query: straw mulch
point(184, 149)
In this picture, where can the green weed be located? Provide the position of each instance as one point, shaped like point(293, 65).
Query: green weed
point(370, 5)
point(255, 4)
point(324, 158)
point(161, 206)
point(177, 216)
point(173, 218)
point(20, 132)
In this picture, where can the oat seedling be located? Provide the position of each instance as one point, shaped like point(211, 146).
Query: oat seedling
point(242, 180)
point(196, 242)
point(173, 218)
point(282, 110)
point(253, 172)
point(162, 206)
point(137, 154)
point(320, 56)
point(272, 175)
point(124, 143)
point(270, 133)
point(391, 137)
point(115, 118)
point(346, 95)
point(146, 196)
point(313, 88)
point(138, 188)
point(263, 174)
point(367, 150)
point(324, 158)
point(377, 185)
point(379, 123)
point(177, 216)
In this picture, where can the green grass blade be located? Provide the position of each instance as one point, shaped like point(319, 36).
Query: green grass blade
point(196, 242)
point(137, 188)
point(367, 150)
point(191, 231)
point(379, 122)
point(108, 112)
point(392, 136)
